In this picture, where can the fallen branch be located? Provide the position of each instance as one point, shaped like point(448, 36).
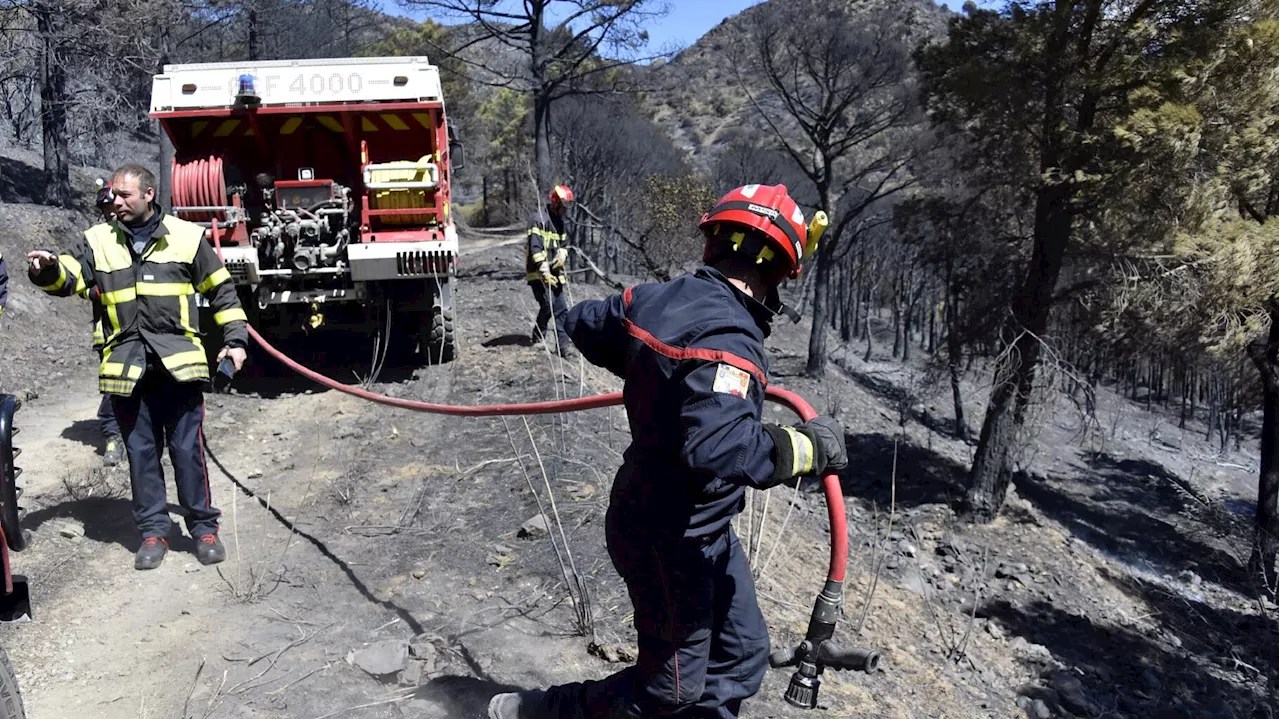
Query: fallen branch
point(380, 702)
point(595, 269)
point(275, 657)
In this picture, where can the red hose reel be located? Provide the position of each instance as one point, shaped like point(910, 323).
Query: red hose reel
point(199, 183)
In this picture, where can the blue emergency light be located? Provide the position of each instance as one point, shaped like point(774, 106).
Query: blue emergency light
point(246, 85)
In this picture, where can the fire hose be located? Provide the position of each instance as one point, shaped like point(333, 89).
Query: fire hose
point(818, 651)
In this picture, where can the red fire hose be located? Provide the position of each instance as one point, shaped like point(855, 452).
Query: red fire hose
point(817, 651)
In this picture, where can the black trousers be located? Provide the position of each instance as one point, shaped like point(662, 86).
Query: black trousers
point(550, 301)
point(703, 643)
point(107, 423)
point(163, 413)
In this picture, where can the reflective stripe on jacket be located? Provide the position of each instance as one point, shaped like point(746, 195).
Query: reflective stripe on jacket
point(148, 301)
point(546, 235)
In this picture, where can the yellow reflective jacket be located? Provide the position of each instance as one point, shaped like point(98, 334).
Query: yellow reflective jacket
point(546, 235)
point(148, 301)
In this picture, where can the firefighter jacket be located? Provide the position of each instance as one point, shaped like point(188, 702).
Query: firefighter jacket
point(149, 311)
point(546, 237)
point(4, 284)
point(691, 354)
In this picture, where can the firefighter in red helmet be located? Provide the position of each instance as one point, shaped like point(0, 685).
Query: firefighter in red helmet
point(691, 355)
point(545, 258)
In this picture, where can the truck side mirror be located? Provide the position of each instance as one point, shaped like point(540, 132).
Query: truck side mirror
point(457, 155)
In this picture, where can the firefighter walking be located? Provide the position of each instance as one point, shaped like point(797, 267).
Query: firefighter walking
point(545, 259)
point(145, 268)
point(691, 354)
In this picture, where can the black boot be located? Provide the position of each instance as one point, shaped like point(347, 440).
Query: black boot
point(151, 553)
point(209, 549)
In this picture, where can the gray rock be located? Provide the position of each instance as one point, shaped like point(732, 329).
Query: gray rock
point(907, 549)
point(949, 549)
point(1035, 708)
point(994, 630)
point(1011, 571)
point(1026, 649)
point(1072, 693)
point(914, 583)
point(411, 675)
point(534, 528)
point(383, 658)
point(72, 529)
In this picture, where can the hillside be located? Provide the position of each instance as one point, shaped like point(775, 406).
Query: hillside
point(701, 97)
point(378, 568)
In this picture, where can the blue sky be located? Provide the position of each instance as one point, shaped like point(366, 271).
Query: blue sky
point(687, 20)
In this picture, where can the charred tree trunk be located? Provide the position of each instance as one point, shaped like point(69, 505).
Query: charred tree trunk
point(954, 358)
point(542, 142)
point(253, 35)
point(1262, 563)
point(53, 106)
point(816, 365)
point(1015, 370)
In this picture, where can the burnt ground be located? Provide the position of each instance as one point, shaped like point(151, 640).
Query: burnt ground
point(1111, 586)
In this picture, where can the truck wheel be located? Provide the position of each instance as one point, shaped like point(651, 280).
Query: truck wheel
point(10, 697)
point(438, 339)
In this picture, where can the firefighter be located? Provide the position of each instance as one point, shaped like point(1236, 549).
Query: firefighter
point(113, 454)
point(145, 268)
point(691, 354)
point(545, 260)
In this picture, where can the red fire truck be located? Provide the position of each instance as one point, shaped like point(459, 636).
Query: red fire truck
point(326, 184)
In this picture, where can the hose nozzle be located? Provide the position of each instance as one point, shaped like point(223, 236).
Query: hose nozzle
point(820, 651)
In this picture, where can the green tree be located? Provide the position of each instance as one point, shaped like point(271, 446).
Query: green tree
point(1241, 296)
point(1079, 106)
point(434, 41)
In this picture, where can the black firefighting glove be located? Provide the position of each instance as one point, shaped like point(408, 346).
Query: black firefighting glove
point(815, 447)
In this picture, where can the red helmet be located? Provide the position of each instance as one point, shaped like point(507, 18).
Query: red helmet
point(769, 210)
point(560, 195)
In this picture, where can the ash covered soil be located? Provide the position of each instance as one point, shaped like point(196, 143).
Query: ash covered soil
point(384, 563)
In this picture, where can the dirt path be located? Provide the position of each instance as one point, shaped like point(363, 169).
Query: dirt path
point(108, 641)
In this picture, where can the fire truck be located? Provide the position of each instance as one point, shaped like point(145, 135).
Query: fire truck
point(326, 185)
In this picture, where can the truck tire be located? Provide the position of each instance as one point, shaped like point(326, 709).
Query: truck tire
point(438, 339)
point(10, 696)
point(10, 513)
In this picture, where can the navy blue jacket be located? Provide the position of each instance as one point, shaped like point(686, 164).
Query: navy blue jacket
point(691, 354)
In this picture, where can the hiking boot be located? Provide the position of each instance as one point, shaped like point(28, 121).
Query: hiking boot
point(567, 352)
point(209, 550)
point(515, 705)
point(151, 553)
point(115, 452)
